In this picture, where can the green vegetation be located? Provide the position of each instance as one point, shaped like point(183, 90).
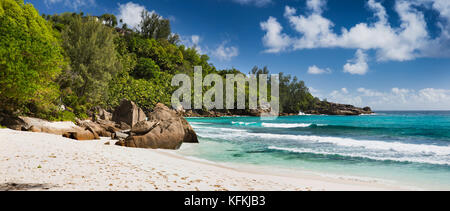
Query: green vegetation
point(295, 96)
point(76, 61)
point(30, 60)
point(90, 48)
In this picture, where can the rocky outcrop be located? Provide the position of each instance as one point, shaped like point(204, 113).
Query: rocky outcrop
point(324, 108)
point(98, 113)
point(13, 123)
point(38, 125)
point(162, 113)
point(165, 129)
point(102, 127)
point(66, 129)
point(129, 113)
point(190, 135)
point(340, 109)
point(143, 127)
point(221, 113)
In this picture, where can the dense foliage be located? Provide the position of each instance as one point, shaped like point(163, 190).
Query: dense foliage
point(90, 47)
point(101, 64)
point(30, 59)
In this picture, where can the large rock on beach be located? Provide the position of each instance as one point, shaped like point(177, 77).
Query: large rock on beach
point(13, 123)
point(39, 125)
point(99, 113)
point(129, 113)
point(103, 130)
point(165, 129)
point(67, 129)
point(82, 135)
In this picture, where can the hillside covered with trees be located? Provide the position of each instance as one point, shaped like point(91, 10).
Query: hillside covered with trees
point(59, 66)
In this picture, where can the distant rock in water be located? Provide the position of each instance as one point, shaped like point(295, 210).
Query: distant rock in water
point(340, 109)
point(129, 113)
point(325, 108)
point(165, 129)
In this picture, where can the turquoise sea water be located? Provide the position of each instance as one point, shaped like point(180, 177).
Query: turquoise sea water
point(407, 148)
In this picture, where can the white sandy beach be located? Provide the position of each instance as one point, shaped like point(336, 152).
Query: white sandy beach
point(38, 161)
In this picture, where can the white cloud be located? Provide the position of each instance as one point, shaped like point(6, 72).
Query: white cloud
point(342, 96)
point(395, 99)
point(225, 53)
point(369, 93)
point(75, 4)
point(258, 3)
point(408, 41)
point(316, 5)
point(316, 30)
point(130, 13)
point(314, 91)
point(314, 70)
point(193, 41)
point(357, 66)
point(274, 40)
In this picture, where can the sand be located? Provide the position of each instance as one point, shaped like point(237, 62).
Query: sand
point(38, 161)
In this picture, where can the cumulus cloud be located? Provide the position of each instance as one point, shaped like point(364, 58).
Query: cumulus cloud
point(342, 96)
point(75, 4)
point(258, 3)
point(396, 98)
point(369, 93)
point(274, 39)
point(357, 66)
point(225, 53)
point(314, 70)
point(316, 5)
point(130, 13)
point(193, 41)
point(408, 41)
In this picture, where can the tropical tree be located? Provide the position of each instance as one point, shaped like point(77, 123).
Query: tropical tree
point(109, 19)
point(146, 68)
point(94, 62)
point(153, 26)
point(30, 58)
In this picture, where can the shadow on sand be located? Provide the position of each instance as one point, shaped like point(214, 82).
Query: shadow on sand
point(23, 187)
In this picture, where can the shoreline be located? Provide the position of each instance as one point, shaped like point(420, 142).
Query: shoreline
point(50, 162)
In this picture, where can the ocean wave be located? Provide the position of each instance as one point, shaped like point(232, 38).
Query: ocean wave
point(365, 144)
point(279, 125)
point(373, 114)
point(200, 123)
point(410, 148)
point(215, 130)
point(244, 123)
point(427, 160)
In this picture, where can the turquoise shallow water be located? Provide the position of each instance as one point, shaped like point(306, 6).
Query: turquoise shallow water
point(408, 148)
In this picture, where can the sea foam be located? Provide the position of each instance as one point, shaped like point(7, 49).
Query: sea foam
point(367, 144)
point(279, 125)
point(415, 159)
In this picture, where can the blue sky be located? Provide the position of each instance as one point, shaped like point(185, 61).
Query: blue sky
point(387, 54)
